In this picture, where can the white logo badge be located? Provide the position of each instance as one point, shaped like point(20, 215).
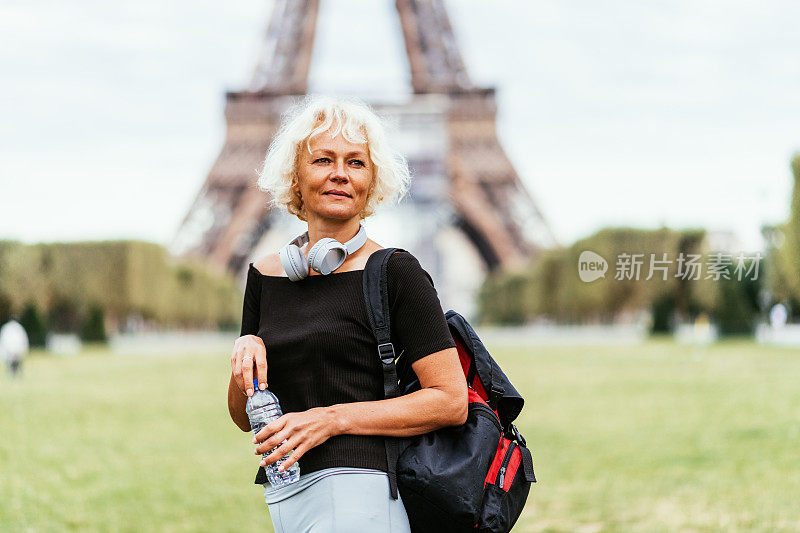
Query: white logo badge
point(591, 266)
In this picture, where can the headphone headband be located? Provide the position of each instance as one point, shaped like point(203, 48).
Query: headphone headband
point(351, 246)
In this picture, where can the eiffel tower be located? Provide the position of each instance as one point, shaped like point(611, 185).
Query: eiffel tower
point(469, 207)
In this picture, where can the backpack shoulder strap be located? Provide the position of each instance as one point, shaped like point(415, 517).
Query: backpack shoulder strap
point(376, 298)
point(376, 293)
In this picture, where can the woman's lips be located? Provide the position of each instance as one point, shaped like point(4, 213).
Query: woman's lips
point(336, 195)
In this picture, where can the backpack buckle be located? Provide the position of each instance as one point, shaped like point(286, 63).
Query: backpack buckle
point(520, 439)
point(386, 353)
point(495, 393)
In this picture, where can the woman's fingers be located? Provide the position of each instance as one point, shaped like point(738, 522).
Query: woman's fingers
point(249, 351)
point(247, 371)
point(280, 451)
point(296, 454)
point(261, 367)
point(284, 445)
point(236, 364)
point(274, 426)
point(272, 440)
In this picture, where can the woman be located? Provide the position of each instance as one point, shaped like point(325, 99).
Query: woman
point(310, 339)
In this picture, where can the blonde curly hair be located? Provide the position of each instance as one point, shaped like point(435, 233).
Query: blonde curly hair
point(358, 123)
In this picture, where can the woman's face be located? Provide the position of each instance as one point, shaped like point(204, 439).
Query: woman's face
point(334, 165)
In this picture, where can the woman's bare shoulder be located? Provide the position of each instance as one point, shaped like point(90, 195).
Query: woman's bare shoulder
point(270, 265)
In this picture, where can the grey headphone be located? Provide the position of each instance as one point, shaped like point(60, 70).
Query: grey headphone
point(325, 256)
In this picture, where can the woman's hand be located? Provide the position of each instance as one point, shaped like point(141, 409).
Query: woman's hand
point(246, 350)
point(302, 430)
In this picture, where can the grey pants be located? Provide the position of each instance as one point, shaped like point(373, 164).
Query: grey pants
point(337, 500)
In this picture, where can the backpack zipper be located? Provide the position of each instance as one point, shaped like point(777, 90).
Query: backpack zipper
point(486, 411)
point(501, 475)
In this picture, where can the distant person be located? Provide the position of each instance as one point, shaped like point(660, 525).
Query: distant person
point(778, 316)
point(331, 165)
point(14, 344)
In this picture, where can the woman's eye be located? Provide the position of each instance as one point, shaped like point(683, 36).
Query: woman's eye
point(358, 162)
point(323, 159)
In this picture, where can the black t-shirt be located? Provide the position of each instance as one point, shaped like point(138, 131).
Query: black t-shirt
point(321, 350)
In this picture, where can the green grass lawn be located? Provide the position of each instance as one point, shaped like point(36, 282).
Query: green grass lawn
point(657, 437)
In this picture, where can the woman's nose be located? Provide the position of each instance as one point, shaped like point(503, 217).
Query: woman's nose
point(339, 171)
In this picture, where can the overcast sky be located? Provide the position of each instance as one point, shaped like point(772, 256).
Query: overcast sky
point(684, 113)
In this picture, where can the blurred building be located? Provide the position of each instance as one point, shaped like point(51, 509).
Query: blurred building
point(467, 211)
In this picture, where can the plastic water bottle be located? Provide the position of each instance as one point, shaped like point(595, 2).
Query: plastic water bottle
point(262, 408)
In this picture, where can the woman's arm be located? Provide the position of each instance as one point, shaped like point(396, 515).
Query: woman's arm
point(248, 354)
point(236, 401)
point(442, 401)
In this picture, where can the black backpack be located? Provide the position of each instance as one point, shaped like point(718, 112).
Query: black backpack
point(467, 478)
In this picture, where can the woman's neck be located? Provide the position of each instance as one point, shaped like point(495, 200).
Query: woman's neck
point(341, 230)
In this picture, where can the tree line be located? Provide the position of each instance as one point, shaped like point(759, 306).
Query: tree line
point(93, 288)
point(550, 288)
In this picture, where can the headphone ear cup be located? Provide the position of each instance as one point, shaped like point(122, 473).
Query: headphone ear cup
point(317, 257)
point(294, 262)
point(313, 254)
